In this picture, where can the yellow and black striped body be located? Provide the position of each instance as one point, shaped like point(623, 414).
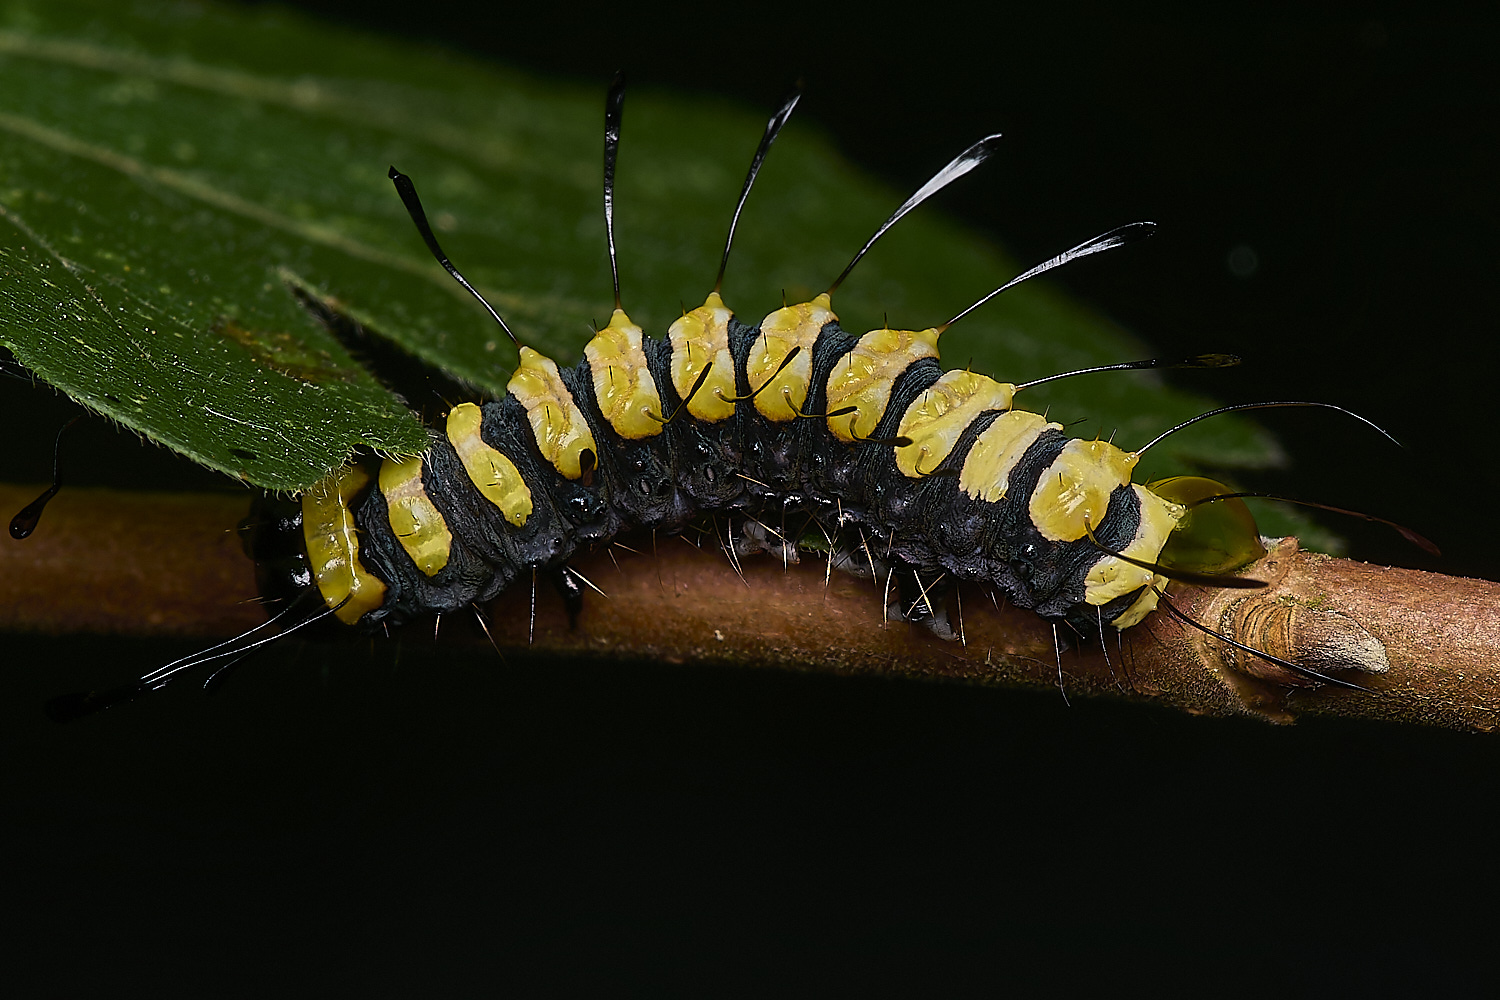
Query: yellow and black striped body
point(935, 472)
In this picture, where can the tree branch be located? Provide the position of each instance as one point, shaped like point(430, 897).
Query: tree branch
point(1426, 646)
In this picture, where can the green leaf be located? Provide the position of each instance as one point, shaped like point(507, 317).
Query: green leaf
point(170, 174)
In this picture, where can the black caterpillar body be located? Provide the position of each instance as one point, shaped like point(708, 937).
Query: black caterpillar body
point(773, 474)
point(908, 470)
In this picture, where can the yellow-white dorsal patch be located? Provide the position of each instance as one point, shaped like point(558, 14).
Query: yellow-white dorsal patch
point(996, 452)
point(1110, 577)
point(623, 385)
point(495, 477)
point(701, 339)
point(785, 391)
point(415, 521)
point(333, 545)
point(937, 417)
point(863, 378)
point(562, 434)
point(1075, 489)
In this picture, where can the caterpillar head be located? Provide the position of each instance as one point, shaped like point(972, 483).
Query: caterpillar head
point(1190, 528)
point(1197, 529)
point(1211, 537)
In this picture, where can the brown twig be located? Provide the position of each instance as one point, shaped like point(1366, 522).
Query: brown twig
point(1427, 647)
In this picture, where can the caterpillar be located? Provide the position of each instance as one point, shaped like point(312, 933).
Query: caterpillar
point(913, 473)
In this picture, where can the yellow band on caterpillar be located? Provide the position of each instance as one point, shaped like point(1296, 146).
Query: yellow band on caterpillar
point(1110, 577)
point(495, 477)
point(333, 546)
point(784, 392)
point(561, 432)
point(1075, 489)
point(623, 386)
point(996, 452)
point(863, 378)
point(1141, 606)
point(936, 418)
point(415, 521)
point(700, 339)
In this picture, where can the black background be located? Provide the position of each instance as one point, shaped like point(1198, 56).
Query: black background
point(420, 822)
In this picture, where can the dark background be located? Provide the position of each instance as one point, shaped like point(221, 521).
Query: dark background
point(414, 822)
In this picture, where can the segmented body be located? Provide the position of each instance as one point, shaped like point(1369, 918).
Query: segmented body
point(921, 475)
point(795, 421)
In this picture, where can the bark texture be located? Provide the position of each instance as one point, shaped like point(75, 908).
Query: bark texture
point(1426, 646)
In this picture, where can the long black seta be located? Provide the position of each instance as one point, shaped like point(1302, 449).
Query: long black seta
point(911, 472)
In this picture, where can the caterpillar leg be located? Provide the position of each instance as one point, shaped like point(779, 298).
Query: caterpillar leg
point(756, 537)
point(922, 600)
point(910, 595)
point(857, 560)
point(566, 583)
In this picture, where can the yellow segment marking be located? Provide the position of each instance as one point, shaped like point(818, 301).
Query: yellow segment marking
point(561, 433)
point(997, 451)
point(790, 326)
point(936, 418)
point(1141, 606)
point(699, 338)
point(495, 477)
point(1076, 488)
point(1111, 577)
point(863, 378)
point(333, 546)
point(623, 385)
point(415, 521)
